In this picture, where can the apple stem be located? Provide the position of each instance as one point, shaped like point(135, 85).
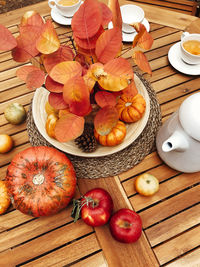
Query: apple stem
point(79, 204)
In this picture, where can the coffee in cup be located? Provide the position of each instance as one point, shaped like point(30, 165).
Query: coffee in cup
point(190, 48)
point(66, 8)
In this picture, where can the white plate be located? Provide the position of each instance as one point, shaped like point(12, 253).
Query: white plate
point(129, 37)
point(57, 17)
point(133, 130)
point(174, 56)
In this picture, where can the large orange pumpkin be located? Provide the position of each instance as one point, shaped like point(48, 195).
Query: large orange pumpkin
point(115, 137)
point(41, 181)
point(131, 109)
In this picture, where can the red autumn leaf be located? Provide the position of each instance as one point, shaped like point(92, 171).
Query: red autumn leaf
point(141, 60)
point(143, 39)
point(7, 40)
point(104, 98)
point(23, 72)
point(32, 18)
point(25, 48)
point(35, 79)
point(53, 86)
point(69, 127)
point(77, 96)
point(106, 14)
point(116, 13)
point(105, 119)
point(87, 20)
point(131, 90)
point(48, 41)
point(65, 70)
point(86, 52)
point(108, 45)
point(89, 43)
point(19, 53)
point(64, 53)
point(56, 101)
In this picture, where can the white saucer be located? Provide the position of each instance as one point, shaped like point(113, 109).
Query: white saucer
point(129, 37)
point(57, 17)
point(174, 56)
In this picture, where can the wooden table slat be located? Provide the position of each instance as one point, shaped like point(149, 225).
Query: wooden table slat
point(169, 217)
point(181, 222)
point(178, 246)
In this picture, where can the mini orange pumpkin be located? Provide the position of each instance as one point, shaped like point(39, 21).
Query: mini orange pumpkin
point(115, 137)
point(131, 109)
point(50, 124)
point(4, 197)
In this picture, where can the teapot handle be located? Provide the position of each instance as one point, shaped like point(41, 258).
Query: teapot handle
point(184, 34)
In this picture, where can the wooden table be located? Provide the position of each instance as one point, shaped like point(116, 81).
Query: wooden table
point(171, 229)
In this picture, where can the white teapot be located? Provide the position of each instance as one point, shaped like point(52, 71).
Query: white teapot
point(178, 139)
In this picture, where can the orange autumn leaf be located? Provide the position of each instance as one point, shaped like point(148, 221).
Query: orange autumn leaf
point(105, 119)
point(69, 127)
point(23, 71)
point(114, 76)
point(87, 20)
point(64, 53)
point(48, 41)
point(143, 39)
point(131, 90)
point(32, 18)
point(19, 53)
point(106, 14)
point(65, 70)
point(76, 95)
point(104, 98)
point(140, 28)
point(89, 81)
point(116, 12)
point(35, 79)
point(7, 40)
point(53, 86)
point(108, 45)
point(141, 60)
point(56, 101)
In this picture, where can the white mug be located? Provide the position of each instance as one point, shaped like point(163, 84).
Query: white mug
point(131, 14)
point(185, 55)
point(68, 10)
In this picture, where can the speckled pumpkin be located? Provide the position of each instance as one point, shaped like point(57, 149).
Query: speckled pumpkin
point(131, 109)
point(115, 137)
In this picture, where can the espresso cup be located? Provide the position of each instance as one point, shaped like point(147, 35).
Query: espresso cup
point(190, 48)
point(66, 8)
point(131, 14)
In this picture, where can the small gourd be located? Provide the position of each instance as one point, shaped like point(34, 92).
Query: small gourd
point(4, 197)
point(131, 109)
point(115, 137)
point(50, 124)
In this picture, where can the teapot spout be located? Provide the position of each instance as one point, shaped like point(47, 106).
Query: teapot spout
point(178, 141)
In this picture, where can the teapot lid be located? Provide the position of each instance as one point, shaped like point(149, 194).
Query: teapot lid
point(189, 115)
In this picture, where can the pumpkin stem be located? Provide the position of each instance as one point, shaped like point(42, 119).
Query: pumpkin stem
point(38, 179)
point(78, 204)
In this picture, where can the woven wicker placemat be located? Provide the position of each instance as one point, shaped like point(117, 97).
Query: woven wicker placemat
point(116, 163)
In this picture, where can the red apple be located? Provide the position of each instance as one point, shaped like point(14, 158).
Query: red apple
point(96, 207)
point(126, 226)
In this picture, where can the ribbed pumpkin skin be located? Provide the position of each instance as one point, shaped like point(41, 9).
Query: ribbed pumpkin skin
point(41, 181)
point(115, 137)
point(131, 109)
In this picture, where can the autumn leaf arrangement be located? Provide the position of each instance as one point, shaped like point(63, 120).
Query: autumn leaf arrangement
point(91, 71)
